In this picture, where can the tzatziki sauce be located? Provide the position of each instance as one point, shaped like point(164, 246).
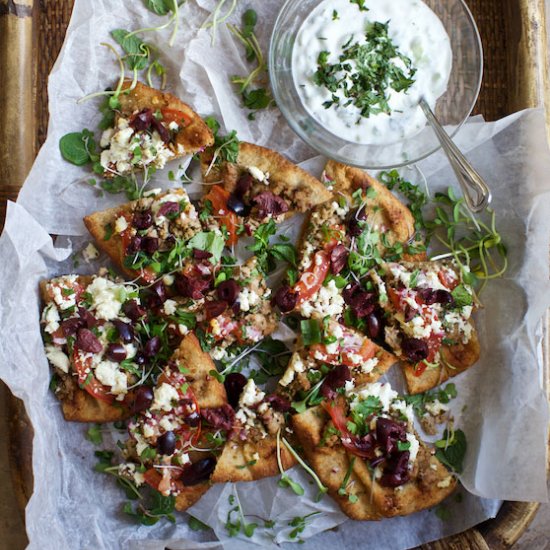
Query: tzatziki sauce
point(417, 33)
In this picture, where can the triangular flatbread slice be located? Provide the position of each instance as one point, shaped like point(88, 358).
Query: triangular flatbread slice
point(355, 452)
point(74, 306)
point(261, 184)
point(366, 361)
point(429, 317)
point(251, 451)
point(140, 236)
point(150, 128)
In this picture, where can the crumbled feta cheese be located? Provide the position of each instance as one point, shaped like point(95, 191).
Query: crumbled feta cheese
point(296, 365)
point(121, 224)
point(326, 301)
point(63, 292)
point(167, 425)
point(248, 299)
point(217, 353)
point(215, 327)
point(413, 449)
point(106, 137)
point(257, 174)
point(108, 373)
point(105, 298)
point(57, 358)
point(174, 126)
point(148, 430)
point(445, 483)
point(51, 317)
point(435, 408)
point(168, 280)
point(182, 329)
point(349, 386)
point(163, 397)
point(90, 253)
point(383, 391)
point(340, 211)
point(170, 307)
point(399, 406)
point(369, 365)
point(251, 395)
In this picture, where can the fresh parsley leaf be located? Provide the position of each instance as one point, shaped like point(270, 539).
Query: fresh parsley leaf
point(461, 296)
point(451, 449)
point(197, 525)
point(95, 435)
point(311, 332)
point(209, 241)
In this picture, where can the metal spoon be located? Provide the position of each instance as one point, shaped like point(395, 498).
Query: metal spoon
point(477, 194)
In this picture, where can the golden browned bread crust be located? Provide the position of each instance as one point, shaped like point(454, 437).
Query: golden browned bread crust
point(194, 137)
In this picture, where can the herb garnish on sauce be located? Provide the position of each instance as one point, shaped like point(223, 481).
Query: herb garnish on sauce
point(365, 72)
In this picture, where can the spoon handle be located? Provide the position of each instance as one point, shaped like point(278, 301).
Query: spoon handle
point(476, 193)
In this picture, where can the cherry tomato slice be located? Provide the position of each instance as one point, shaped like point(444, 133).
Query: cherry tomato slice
point(311, 281)
point(92, 385)
point(218, 196)
point(173, 115)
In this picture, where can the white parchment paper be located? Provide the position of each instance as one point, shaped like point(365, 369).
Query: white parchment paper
point(501, 405)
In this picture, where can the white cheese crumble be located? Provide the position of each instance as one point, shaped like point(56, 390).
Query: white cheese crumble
point(258, 174)
point(109, 374)
point(170, 307)
point(51, 317)
point(90, 253)
point(105, 298)
point(383, 391)
point(445, 482)
point(369, 365)
point(57, 358)
point(121, 224)
point(413, 449)
point(163, 397)
point(436, 408)
point(295, 365)
point(248, 299)
point(326, 301)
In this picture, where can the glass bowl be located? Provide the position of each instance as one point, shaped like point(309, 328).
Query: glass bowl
point(452, 109)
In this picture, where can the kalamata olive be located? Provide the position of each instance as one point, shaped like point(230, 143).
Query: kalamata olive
point(243, 185)
point(133, 310)
point(139, 359)
point(235, 204)
point(355, 228)
point(285, 299)
point(201, 254)
point(334, 380)
point(149, 244)
point(338, 258)
point(161, 129)
point(134, 246)
point(71, 326)
point(278, 402)
point(234, 384)
point(198, 471)
point(87, 341)
point(193, 419)
point(125, 331)
point(152, 347)
point(409, 313)
point(89, 320)
point(269, 203)
point(396, 471)
point(115, 352)
point(142, 219)
point(388, 433)
point(220, 418)
point(143, 397)
point(142, 120)
point(214, 309)
point(228, 291)
point(439, 296)
point(192, 287)
point(169, 209)
point(374, 326)
point(360, 301)
point(160, 291)
point(166, 443)
point(414, 349)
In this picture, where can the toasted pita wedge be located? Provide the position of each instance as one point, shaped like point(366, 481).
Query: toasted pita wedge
point(446, 330)
point(167, 129)
point(78, 404)
point(332, 464)
point(264, 182)
point(366, 361)
point(455, 359)
point(251, 450)
point(429, 481)
point(113, 232)
point(391, 213)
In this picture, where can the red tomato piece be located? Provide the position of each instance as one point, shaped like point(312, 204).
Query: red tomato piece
point(218, 196)
point(173, 115)
point(93, 386)
point(311, 281)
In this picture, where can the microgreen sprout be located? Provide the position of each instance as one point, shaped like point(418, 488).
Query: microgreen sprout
point(218, 18)
point(286, 480)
